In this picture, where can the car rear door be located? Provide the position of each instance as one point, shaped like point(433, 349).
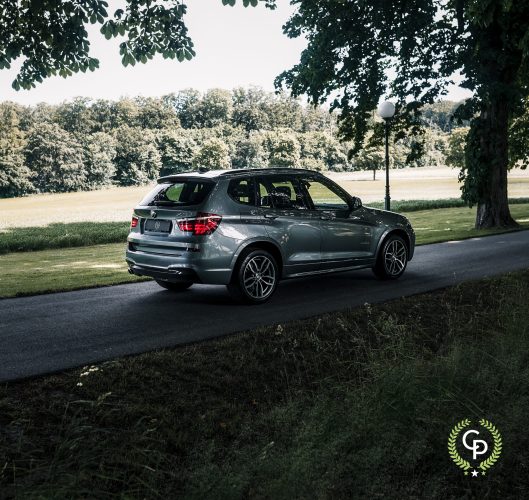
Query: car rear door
point(290, 222)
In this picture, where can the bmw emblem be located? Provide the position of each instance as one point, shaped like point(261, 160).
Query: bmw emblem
point(153, 214)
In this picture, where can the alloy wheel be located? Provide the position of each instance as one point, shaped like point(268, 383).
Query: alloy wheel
point(259, 277)
point(395, 257)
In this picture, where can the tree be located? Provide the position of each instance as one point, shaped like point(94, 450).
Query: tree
point(250, 108)
point(250, 152)
point(14, 175)
point(322, 150)
point(369, 159)
point(213, 154)
point(285, 112)
point(124, 113)
point(455, 156)
point(55, 159)
point(156, 114)
point(52, 38)
point(519, 139)
point(283, 149)
point(440, 114)
point(214, 109)
point(75, 116)
point(184, 103)
point(354, 47)
point(177, 149)
point(137, 159)
point(99, 150)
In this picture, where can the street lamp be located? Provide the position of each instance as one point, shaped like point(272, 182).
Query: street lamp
point(386, 111)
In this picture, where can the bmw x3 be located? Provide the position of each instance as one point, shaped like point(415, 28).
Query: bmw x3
point(249, 229)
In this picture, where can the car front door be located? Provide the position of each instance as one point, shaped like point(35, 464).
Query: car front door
point(346, 236)
point(290, 222)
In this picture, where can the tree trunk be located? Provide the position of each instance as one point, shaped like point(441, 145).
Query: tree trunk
point(493, 204)
point(374, 174)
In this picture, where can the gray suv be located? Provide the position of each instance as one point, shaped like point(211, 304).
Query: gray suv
point(248, 229)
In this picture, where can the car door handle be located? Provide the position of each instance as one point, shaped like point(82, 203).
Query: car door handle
point(326, 217)
point(270, 216)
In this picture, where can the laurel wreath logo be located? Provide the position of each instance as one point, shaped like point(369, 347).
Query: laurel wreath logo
point(496, 451)
point(465, 464)
point(452, 449)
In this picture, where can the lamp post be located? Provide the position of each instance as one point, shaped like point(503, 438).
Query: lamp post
point(386, 111)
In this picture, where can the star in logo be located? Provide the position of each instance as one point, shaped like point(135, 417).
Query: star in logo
point(475, 473)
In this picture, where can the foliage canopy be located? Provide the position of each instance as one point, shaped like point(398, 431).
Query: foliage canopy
point(359, 51)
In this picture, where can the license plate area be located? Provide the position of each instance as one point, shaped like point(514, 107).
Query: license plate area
point(157, 226)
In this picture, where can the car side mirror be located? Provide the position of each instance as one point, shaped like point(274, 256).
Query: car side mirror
point(357, 203)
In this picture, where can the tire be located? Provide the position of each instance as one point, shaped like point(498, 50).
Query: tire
point(392, 259)
point(255, 277)
point(175, 287)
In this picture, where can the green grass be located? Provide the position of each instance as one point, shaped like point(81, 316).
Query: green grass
point(26, 273)
point(76, 234)
point(444, 224)
point(356, 404)
point(30, 273)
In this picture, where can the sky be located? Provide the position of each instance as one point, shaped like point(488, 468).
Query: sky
point(235, 46)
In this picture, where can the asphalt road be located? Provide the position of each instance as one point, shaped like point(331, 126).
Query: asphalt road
point(49, 333)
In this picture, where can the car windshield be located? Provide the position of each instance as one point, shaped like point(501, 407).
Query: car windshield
point(181, 193)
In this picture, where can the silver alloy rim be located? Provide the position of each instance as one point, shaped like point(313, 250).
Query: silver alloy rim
point(259, 277)
point(395, 257)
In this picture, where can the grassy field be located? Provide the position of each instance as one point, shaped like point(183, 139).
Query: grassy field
point(446, 224)
point(104, 205)
point(412, 183)
point(116, 204)
point(357, 404)
point(25, 273)
point(76, 234)
point(30, 273)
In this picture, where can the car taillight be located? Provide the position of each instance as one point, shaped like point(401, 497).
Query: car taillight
point(202, 224)
point(134, 221)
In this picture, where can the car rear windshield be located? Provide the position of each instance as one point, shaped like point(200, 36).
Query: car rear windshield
point(178, 194)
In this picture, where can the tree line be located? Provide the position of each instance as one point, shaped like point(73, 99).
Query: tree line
point(87, 144)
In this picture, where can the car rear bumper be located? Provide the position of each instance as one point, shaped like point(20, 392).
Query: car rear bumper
point(177, 268)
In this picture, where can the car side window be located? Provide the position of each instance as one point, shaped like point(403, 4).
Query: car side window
point(281, 193)
point(323, 197)
point(242, 191)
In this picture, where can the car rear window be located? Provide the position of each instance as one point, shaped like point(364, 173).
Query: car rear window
point(178, 194)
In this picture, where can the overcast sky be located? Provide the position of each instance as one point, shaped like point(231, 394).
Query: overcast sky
point(235, 46)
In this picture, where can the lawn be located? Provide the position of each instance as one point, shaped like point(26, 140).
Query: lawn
point(27, 273)
point(356, 404)
point(444, 224)
point(116, 204)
